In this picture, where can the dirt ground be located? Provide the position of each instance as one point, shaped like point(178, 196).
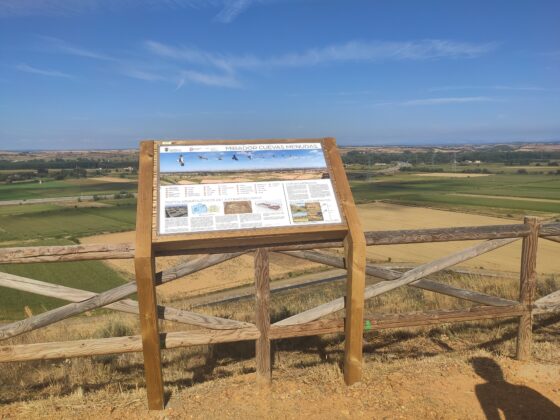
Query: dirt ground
point(506, 197)
point(475, 386)
point(109, 179)
point(452, 175)
point(375, 216)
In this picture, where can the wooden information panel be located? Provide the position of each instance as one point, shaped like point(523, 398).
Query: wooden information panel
point(223, 196)
point(215, 194)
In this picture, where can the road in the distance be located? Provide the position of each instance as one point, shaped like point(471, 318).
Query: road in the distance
point(55, 200)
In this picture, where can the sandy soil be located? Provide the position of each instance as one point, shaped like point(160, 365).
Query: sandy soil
point(452, 175)
point(110, 179)
point(375, 216)
point(508, 197)
point(383, 216)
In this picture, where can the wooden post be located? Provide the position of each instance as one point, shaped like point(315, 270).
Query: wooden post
point(262, 316)
point(528, 282)
point(355, 253)
point(144, 264)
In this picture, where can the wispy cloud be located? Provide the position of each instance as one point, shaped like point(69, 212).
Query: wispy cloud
point(43, 72)
point(222, 80)
point(232, 9)
point(58, 45)
point(353, 51)
point(438, 101)
point(491, 87)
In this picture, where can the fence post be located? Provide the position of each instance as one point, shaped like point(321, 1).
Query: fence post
point(527, 286)
point(262, 316)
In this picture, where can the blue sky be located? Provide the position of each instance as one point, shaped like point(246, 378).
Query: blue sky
point(257, 160)
point(79, 74)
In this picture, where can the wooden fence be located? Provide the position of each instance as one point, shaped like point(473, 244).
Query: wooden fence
point(310, 322)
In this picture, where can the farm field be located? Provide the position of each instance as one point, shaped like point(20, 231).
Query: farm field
point(374, 216)
point(33, 222)
point(64, 188)
point(464, 193)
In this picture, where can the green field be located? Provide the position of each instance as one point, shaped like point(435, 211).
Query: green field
point(66, 188)
point(441, 192)
point(29, 222)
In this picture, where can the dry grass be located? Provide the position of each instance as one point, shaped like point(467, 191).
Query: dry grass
point(118, 379)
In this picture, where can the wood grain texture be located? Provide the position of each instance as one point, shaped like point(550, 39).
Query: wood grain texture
point(407, 278)
point(262, 317)
point(129, 306)
point(144, 265)
point(547, 304)
point(42, 254)
point(355, 255)
point(549, 229)
point(384, 321)
point(466, 233)
point(387, 274)
point(527, 286)
point(22, 255)
point(94, 347)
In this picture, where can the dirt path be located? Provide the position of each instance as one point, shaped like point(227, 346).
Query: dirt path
point(508, 197)
point(452, 175)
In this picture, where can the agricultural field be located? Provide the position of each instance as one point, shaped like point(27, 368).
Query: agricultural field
point(41, 221)
point(500, 195)
point(64, 188)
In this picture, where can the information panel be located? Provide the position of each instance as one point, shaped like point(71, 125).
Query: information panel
point(217, 187)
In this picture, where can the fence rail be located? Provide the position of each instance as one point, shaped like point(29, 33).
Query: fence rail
point(310, 322)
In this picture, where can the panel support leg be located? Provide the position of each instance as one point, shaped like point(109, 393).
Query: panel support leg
point(144, 264)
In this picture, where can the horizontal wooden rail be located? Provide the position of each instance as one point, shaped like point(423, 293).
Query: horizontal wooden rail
point(467, 233)
point(549, 229)
point(127, 305)
point(95, 347)
point(547, 304)
point(40, 254)
point(19, 255)
point(384, 321)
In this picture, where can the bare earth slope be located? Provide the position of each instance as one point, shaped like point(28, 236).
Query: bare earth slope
point(441, 387)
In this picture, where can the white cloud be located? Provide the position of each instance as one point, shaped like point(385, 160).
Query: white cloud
point(353, 51)
point(232, 9)
point(43, 72)
point(490, 87)
point(58, 45)
point(221, 80)
point(448, 100)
